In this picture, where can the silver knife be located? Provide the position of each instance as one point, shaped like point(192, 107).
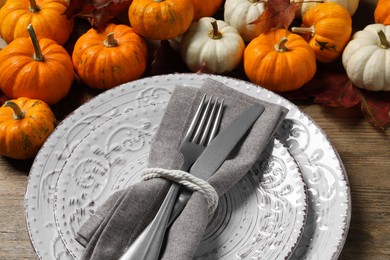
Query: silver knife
point(214, 155)
point(207, 163)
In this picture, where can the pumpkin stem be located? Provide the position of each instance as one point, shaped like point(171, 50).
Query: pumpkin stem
point(215, 33)
point(304, 30)
point(312, 1)
point(18, 113)
point(383, 42)
point(110, 40)
point(34, 8)
point(38, 56)
point(281, 46)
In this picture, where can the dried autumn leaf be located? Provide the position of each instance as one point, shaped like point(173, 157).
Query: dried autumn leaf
point(328, 88)
point(166, 60)
point(278, 13)
point(77, 96)
point(333, 88)
point(98, 12)
point(376, 108)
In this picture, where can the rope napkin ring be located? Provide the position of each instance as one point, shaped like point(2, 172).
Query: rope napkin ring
point(188, 180)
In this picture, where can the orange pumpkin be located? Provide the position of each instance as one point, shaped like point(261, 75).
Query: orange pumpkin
point(279, 61)
point(382, 12)
point(161, 19)
point(110, 57)
point(25, 125)
point(205, 8)
point(35, 69)
point(329, 28)
point(46, 16)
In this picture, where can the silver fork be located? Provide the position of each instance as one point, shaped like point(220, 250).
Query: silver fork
point(202, 130)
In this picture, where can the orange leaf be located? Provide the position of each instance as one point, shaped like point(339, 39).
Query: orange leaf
point(98, 12)
point(333, 88)
point(278, 13)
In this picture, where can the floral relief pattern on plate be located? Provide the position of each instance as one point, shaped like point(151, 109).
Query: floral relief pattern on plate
point(112, 156)
point(322, 170)
point(263, 215)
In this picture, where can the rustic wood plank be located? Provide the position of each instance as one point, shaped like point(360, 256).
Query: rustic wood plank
point(14, 240)
point(365, 152)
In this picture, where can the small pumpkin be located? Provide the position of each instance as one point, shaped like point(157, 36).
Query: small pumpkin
point(33, 68)
point(279, 60)
point(108, 58)
point(205, 8)
point(161, 19)
point(46, 16)
point(364, 58)
point(212, 45)
point(306, 5)
point(382, 12)
point(329, 28)
point(241, 13)
point(25, 125)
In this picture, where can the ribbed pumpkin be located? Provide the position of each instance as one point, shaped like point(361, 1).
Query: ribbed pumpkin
point(161, 19)
point(382, 12)
point(33, 68)
point(279, 60)
point(25, 125)
point(328, 27)
point(46, 16)
point(306, 5)
point(365, 58)
point(241, 13)
point(108, 58)
point(213, 44)
point(205, 8)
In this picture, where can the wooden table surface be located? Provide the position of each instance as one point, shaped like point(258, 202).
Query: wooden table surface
point(364, 150)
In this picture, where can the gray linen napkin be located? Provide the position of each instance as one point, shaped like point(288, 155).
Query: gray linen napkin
point(126, 213)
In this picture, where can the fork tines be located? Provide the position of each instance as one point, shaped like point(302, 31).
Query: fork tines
point(210, 114)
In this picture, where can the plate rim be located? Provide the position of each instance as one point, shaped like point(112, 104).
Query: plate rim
point(222, 79)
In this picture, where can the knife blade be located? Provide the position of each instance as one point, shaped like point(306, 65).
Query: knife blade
point(208, 162)
point(217, 152)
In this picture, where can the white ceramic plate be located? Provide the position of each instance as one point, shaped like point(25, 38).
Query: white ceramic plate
point(267, 208)
point(56, 205)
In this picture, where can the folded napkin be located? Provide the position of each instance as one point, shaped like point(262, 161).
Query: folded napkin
point(118, 222)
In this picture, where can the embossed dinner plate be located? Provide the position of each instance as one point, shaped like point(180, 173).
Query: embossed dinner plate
point(103, 145)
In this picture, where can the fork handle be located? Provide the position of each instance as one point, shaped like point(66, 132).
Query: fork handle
point(148, 244)
point(181, 201)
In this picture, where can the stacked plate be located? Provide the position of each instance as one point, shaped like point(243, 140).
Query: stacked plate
point(293, 204)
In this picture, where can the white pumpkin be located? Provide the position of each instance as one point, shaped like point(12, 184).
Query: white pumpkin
point(213, 45)
point(303, 7)
point(241, 13)
point(366, 58)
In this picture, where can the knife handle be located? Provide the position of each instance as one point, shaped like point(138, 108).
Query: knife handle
point(148, 244)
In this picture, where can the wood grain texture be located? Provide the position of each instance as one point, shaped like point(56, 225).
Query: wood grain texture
point(14, 239)
point(365, 152)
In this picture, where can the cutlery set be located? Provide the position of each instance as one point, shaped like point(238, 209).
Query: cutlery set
point(202, 159)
